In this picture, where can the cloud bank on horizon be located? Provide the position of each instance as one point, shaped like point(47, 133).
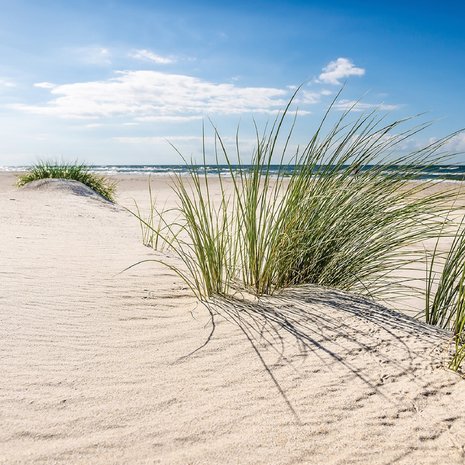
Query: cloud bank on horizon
point(149, 96)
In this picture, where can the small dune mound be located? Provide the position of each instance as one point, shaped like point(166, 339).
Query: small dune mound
point(64, 185)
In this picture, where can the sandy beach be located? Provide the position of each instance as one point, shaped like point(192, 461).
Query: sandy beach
point(102, 367)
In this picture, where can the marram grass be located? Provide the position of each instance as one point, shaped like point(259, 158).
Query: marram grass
point(151, 224)
point(72, 171)
point(336, 215)
point(445, 294)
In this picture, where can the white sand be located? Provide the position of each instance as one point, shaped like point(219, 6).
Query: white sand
point(94, 370)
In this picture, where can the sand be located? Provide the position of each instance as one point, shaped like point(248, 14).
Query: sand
point(96, 368)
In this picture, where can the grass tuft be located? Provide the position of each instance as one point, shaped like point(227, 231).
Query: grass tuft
point(72, 171)
point(445, 293)
point(338, 214)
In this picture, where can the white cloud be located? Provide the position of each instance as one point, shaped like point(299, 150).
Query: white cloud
point(309, 97)
point(160, 139)
point(44, 85)
point(147, 55)
point(392, 142)
point(456, 144)
point(168, 119)
point(6, 83)
point(151, 95)
point(187, 144)
point(354, 105)
point(336, 70)
point(192, 147)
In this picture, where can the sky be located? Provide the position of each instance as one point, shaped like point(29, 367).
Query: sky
point(117, 82)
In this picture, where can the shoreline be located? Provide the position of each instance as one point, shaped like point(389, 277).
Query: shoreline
point(137, 183)
point(169, 170)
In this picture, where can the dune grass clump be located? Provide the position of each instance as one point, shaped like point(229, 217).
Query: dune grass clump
point(338, 214)
point(445, 294)
point(71, 171)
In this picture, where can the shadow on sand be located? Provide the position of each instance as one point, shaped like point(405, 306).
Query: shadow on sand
point(331, 325)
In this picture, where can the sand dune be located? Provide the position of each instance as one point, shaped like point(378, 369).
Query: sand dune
point(101, 367)
point(66, 185)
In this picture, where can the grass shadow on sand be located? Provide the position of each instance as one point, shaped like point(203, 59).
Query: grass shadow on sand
point(334, 326)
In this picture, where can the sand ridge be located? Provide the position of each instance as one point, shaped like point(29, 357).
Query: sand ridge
point(96, 367)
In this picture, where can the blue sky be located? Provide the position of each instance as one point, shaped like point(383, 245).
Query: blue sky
point(110, 81)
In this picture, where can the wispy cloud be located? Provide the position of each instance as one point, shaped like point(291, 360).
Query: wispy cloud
point(456, 144)
point(147, 55)
point(6, 83)
point(339, 69)
point(191, 144)
point(44, 85)
point(93, 125)
point(156, 96)
point(168, 119)
point(309, 97)
point(354, 105)
point(92, 55)
point(161, 139)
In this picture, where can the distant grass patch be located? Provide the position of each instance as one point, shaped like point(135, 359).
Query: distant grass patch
point(72, 171)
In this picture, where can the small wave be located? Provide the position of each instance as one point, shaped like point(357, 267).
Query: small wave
point(13, 168)
point(444, 172)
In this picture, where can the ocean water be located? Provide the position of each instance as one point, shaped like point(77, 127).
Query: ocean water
point(436, 172)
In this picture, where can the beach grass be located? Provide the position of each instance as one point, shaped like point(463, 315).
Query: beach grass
point(445, 293)
point(147, 223)
point(337, 214)
point(71, 171)
point(152, 223)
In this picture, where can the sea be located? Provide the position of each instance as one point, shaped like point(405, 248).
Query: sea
point(434, 172)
